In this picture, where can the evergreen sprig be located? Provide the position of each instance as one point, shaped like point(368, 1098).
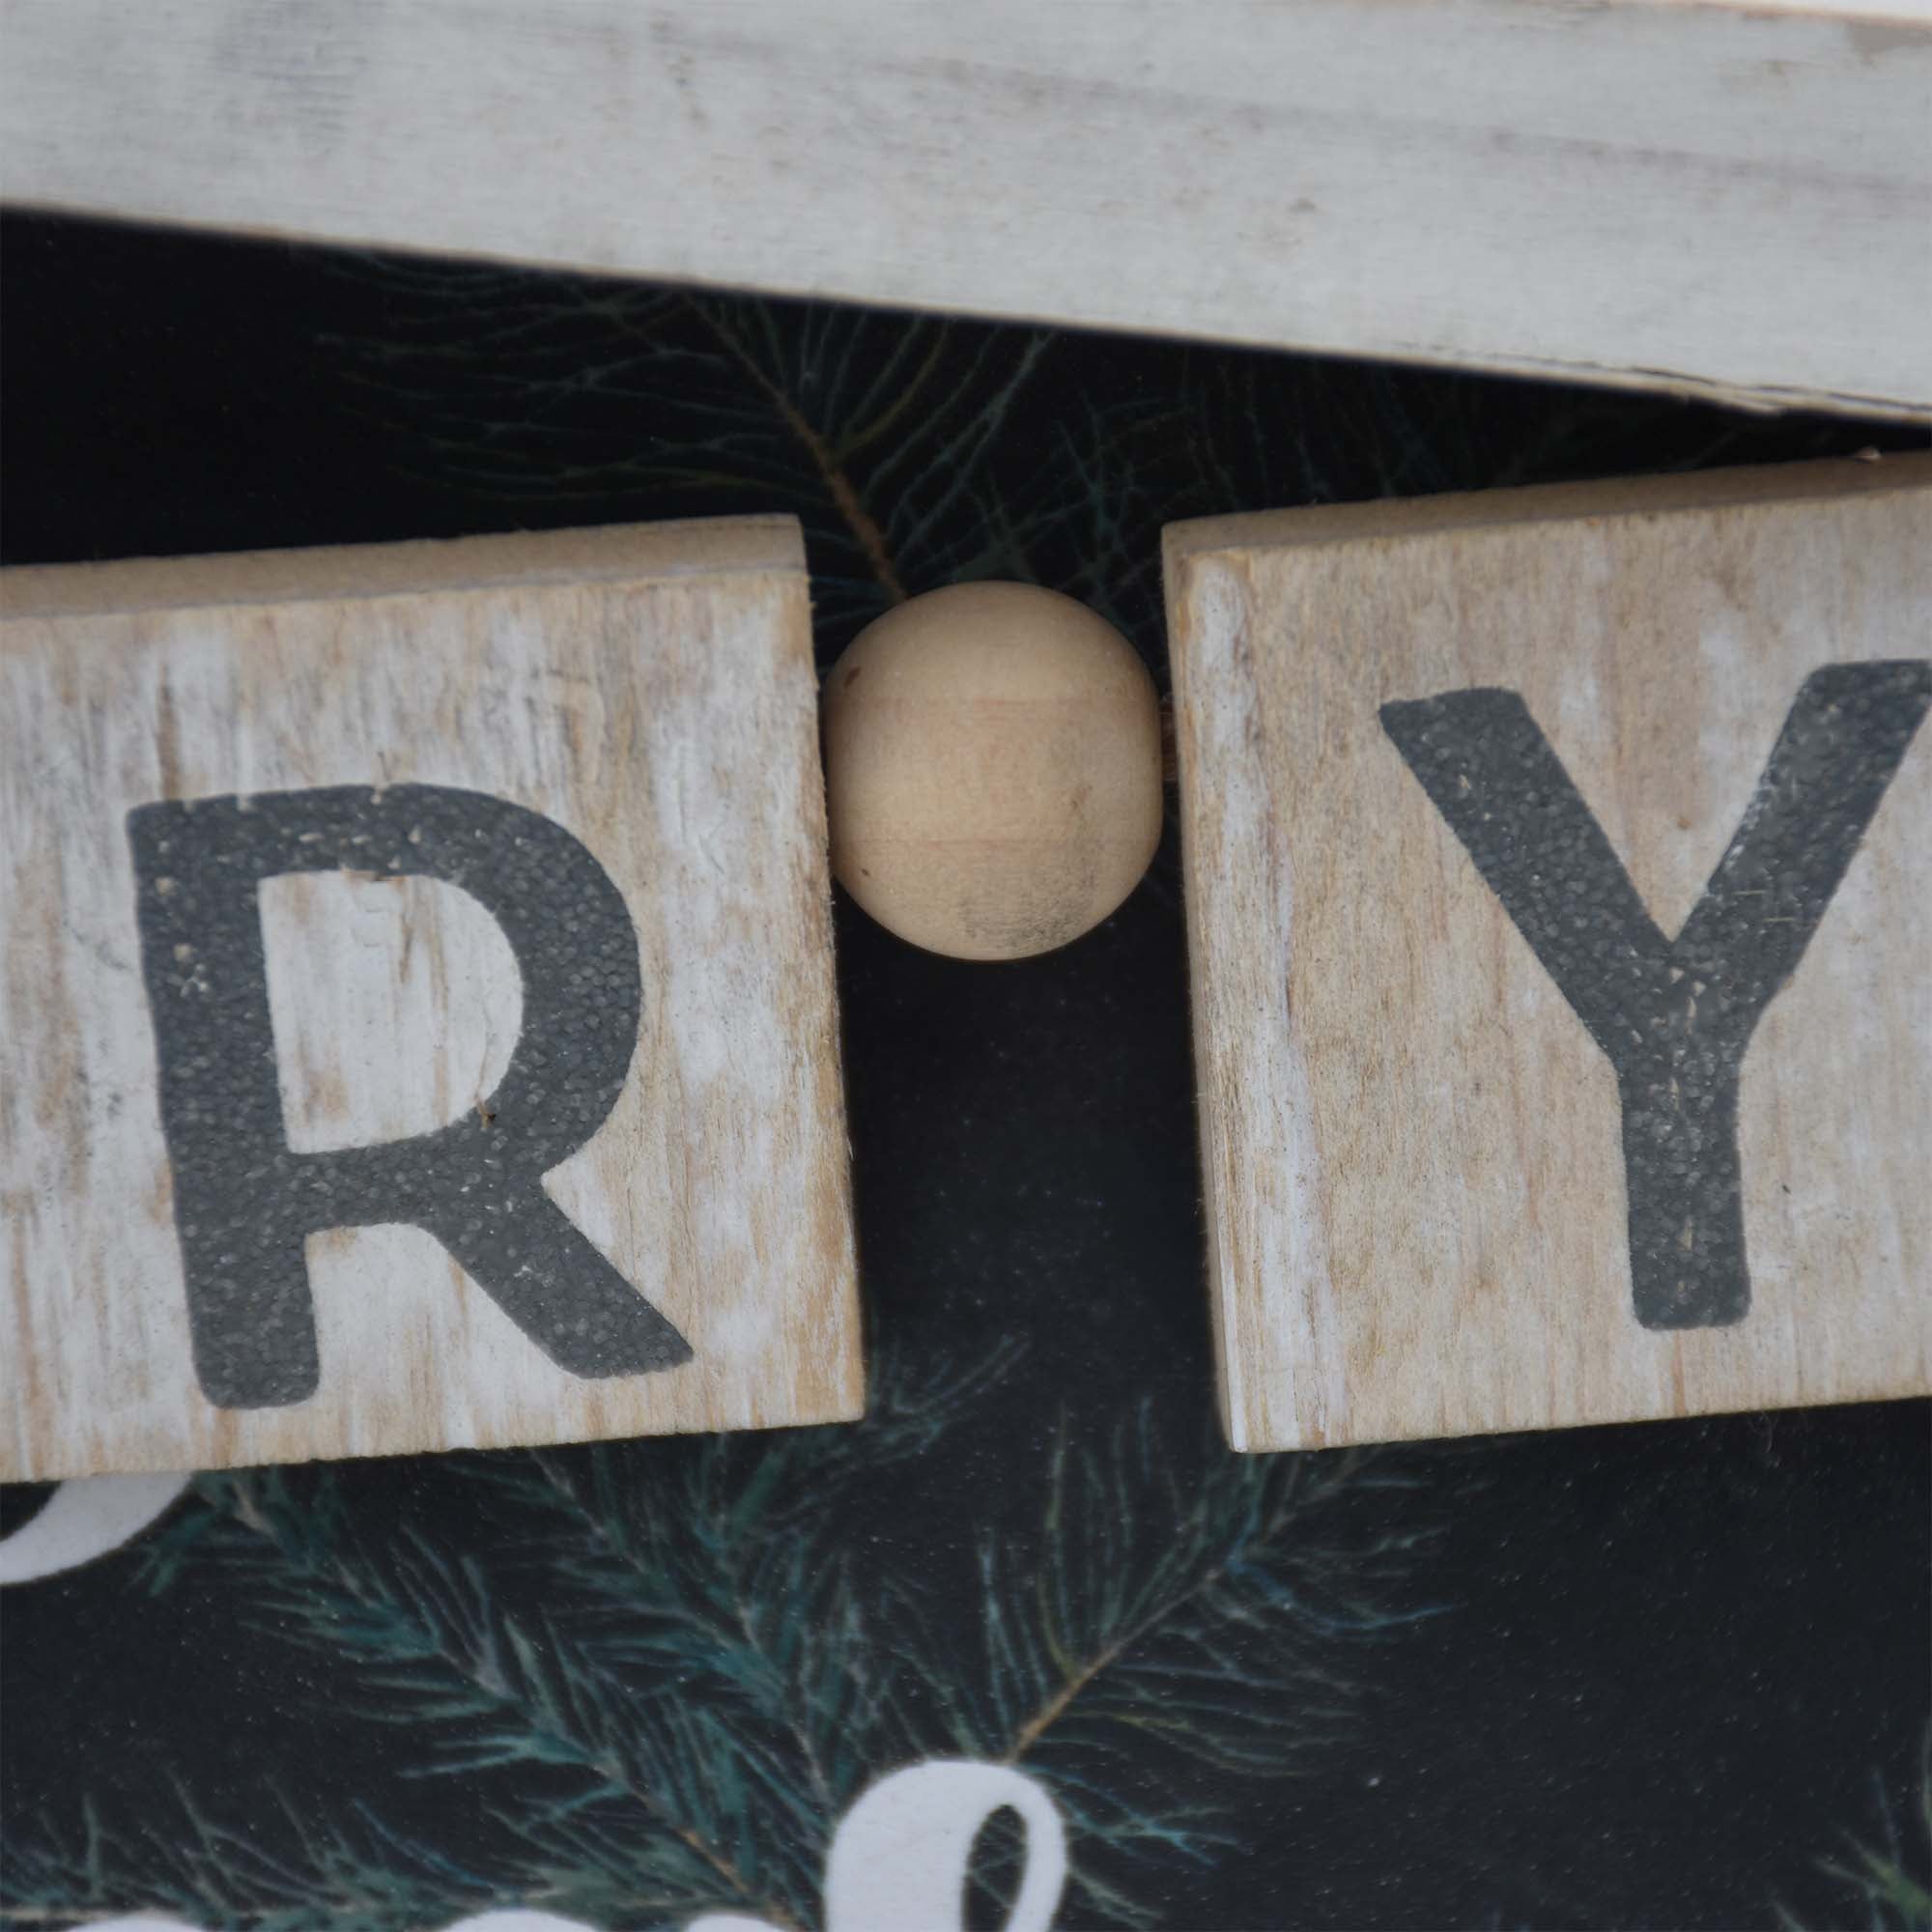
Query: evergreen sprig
point(667, 1688)
point(1178, 1605)
point(878, 431)
point(170, 1856)
point(919, 451)
point(644, 1808)
point(1890, 1882)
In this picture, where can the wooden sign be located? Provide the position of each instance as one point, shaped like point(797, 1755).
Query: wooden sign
point(419, 1022)
point(1559, 868)
point(1525, 184)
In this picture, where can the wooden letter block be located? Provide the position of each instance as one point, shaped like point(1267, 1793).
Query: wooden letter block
point(1559, 869)
point(419, 1027)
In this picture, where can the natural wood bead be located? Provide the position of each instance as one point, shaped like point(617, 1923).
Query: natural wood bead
point(992, 765)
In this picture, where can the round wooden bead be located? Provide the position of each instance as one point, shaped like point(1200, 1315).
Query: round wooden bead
point(992, 767)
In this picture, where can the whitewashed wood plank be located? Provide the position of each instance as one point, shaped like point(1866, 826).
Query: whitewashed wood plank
point(649, 690)
point(1705, 199)
point(1424, 1216)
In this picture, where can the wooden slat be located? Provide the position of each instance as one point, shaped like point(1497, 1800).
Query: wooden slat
point(651, 693)
point(1428, 1213)
point(1707, 199)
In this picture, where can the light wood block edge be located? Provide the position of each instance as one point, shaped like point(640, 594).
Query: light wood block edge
point(764, 555)
point(623, 552)
point(1216, 544)
point(1515, 185)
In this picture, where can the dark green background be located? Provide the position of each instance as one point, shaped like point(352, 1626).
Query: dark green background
point(1664, 1675)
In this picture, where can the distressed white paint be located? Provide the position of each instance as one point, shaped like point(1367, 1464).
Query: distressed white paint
point(1411, 1146)
point(395, 1003)
point(1285, 1164)
point(1702, 198)
point(569, 674)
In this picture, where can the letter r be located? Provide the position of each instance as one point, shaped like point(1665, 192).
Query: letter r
point(246, 1203)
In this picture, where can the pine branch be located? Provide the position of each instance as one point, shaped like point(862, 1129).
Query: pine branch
point(1197, 1605)
point(173, 1858)
point(166, 1856)
point(487, 1691)
point(887, 434)
point(1891, 1882)
point(831, 470)
point(714, 1568)
point(700, 1676)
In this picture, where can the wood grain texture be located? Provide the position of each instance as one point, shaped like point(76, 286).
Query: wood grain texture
point(650, 691)
point(1416, 1190)
point(1692, 198)
point(992, 770)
